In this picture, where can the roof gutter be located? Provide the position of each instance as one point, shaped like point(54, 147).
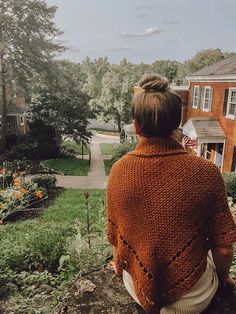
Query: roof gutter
point(212, 78)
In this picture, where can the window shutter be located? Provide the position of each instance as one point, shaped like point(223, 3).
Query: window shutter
point(210, 109)
point(233, 168)
point(192, 97)
point(225, 102)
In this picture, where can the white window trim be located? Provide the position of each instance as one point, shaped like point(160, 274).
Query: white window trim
point(230, 116)
point(196, 87)
point(210, 99)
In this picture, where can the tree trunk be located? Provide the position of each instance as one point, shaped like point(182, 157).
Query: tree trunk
point(2, 107)
point(118, 119)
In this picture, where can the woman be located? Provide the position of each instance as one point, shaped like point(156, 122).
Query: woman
point(167, 213)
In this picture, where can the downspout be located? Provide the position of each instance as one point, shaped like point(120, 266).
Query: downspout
point(223, 156)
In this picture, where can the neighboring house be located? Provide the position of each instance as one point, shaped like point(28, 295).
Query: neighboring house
point(101, 125)
point(17, 117)
point(211, 114)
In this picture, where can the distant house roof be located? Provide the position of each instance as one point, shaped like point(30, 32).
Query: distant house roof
point(223, 67)
point(15, 109)
point(203, 128)
point(180, 87)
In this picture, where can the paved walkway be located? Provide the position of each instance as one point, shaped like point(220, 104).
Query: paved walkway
point(96, 178)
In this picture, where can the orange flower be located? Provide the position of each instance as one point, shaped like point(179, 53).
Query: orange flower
point(39, 194)
point(1, 206)
point(17, 195)
point(17, 182)
point(23, 190)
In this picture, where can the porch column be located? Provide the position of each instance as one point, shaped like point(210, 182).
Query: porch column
point(199, 149)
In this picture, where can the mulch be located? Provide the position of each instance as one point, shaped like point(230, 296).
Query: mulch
point(102, 291)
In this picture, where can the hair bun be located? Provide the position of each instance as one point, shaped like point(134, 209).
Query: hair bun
point(154, 83)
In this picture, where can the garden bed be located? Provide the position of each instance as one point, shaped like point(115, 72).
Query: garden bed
point(31, 213)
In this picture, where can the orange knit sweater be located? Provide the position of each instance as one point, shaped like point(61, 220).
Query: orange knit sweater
point(165, 209)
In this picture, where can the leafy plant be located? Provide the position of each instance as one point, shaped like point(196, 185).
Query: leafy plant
point(46, 182)
point(66, 268)
point(123, 149)
point(230, 182)
point(91, 246)
point(19, 195)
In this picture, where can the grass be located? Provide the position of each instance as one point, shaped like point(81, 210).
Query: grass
point(70, 206)
point(31, 251)
point(108, 148)
point(72, 147)
point(69, 166)
point(108, 164)
point(46, 238)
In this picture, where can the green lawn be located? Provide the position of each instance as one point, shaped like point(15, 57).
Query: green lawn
point(69, 166)
point(72, 147)
point(108, 164)
point(108, 149)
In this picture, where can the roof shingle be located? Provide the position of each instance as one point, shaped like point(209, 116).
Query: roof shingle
point(224, 67)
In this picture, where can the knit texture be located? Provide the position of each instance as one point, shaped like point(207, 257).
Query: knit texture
point(165, 209)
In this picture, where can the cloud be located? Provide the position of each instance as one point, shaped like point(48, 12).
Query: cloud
point(124, 48)
point(146, 33)
point(146, 7)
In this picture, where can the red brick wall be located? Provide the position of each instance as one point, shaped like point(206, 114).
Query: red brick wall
point(228, 125)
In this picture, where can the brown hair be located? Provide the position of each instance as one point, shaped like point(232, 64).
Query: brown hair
point(157, 108)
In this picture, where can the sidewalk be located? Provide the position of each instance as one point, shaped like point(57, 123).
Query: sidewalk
point(96, 178)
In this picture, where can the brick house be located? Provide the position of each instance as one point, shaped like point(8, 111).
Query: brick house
point(211, 113)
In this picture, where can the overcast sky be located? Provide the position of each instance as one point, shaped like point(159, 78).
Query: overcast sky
point(144, 31)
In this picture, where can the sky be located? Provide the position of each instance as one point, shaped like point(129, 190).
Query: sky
point(144, 31)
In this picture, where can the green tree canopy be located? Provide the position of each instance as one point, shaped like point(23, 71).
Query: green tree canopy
point(27, 34)
point(61, 101)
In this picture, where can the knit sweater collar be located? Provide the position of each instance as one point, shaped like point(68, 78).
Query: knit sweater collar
point(158, 146)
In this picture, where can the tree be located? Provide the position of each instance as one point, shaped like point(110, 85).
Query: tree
point(165, 68)
point(26, 45)
point(117, 86)
point(204, 58)
point(94, 73)
point(61, 102)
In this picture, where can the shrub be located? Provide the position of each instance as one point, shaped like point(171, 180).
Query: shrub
point(24, 148)
point(123, 149)
point(45, 137)
point(230, 182)
point(46, 182)
point(33, 245)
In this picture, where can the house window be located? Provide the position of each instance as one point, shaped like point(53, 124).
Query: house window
point(196, 97)
point(231, 104)
point(207, 99)
point(21, 120)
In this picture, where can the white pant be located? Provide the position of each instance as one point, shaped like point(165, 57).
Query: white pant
point(195, 300)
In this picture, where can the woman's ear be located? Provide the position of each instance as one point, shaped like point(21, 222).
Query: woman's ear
point(136, 127)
